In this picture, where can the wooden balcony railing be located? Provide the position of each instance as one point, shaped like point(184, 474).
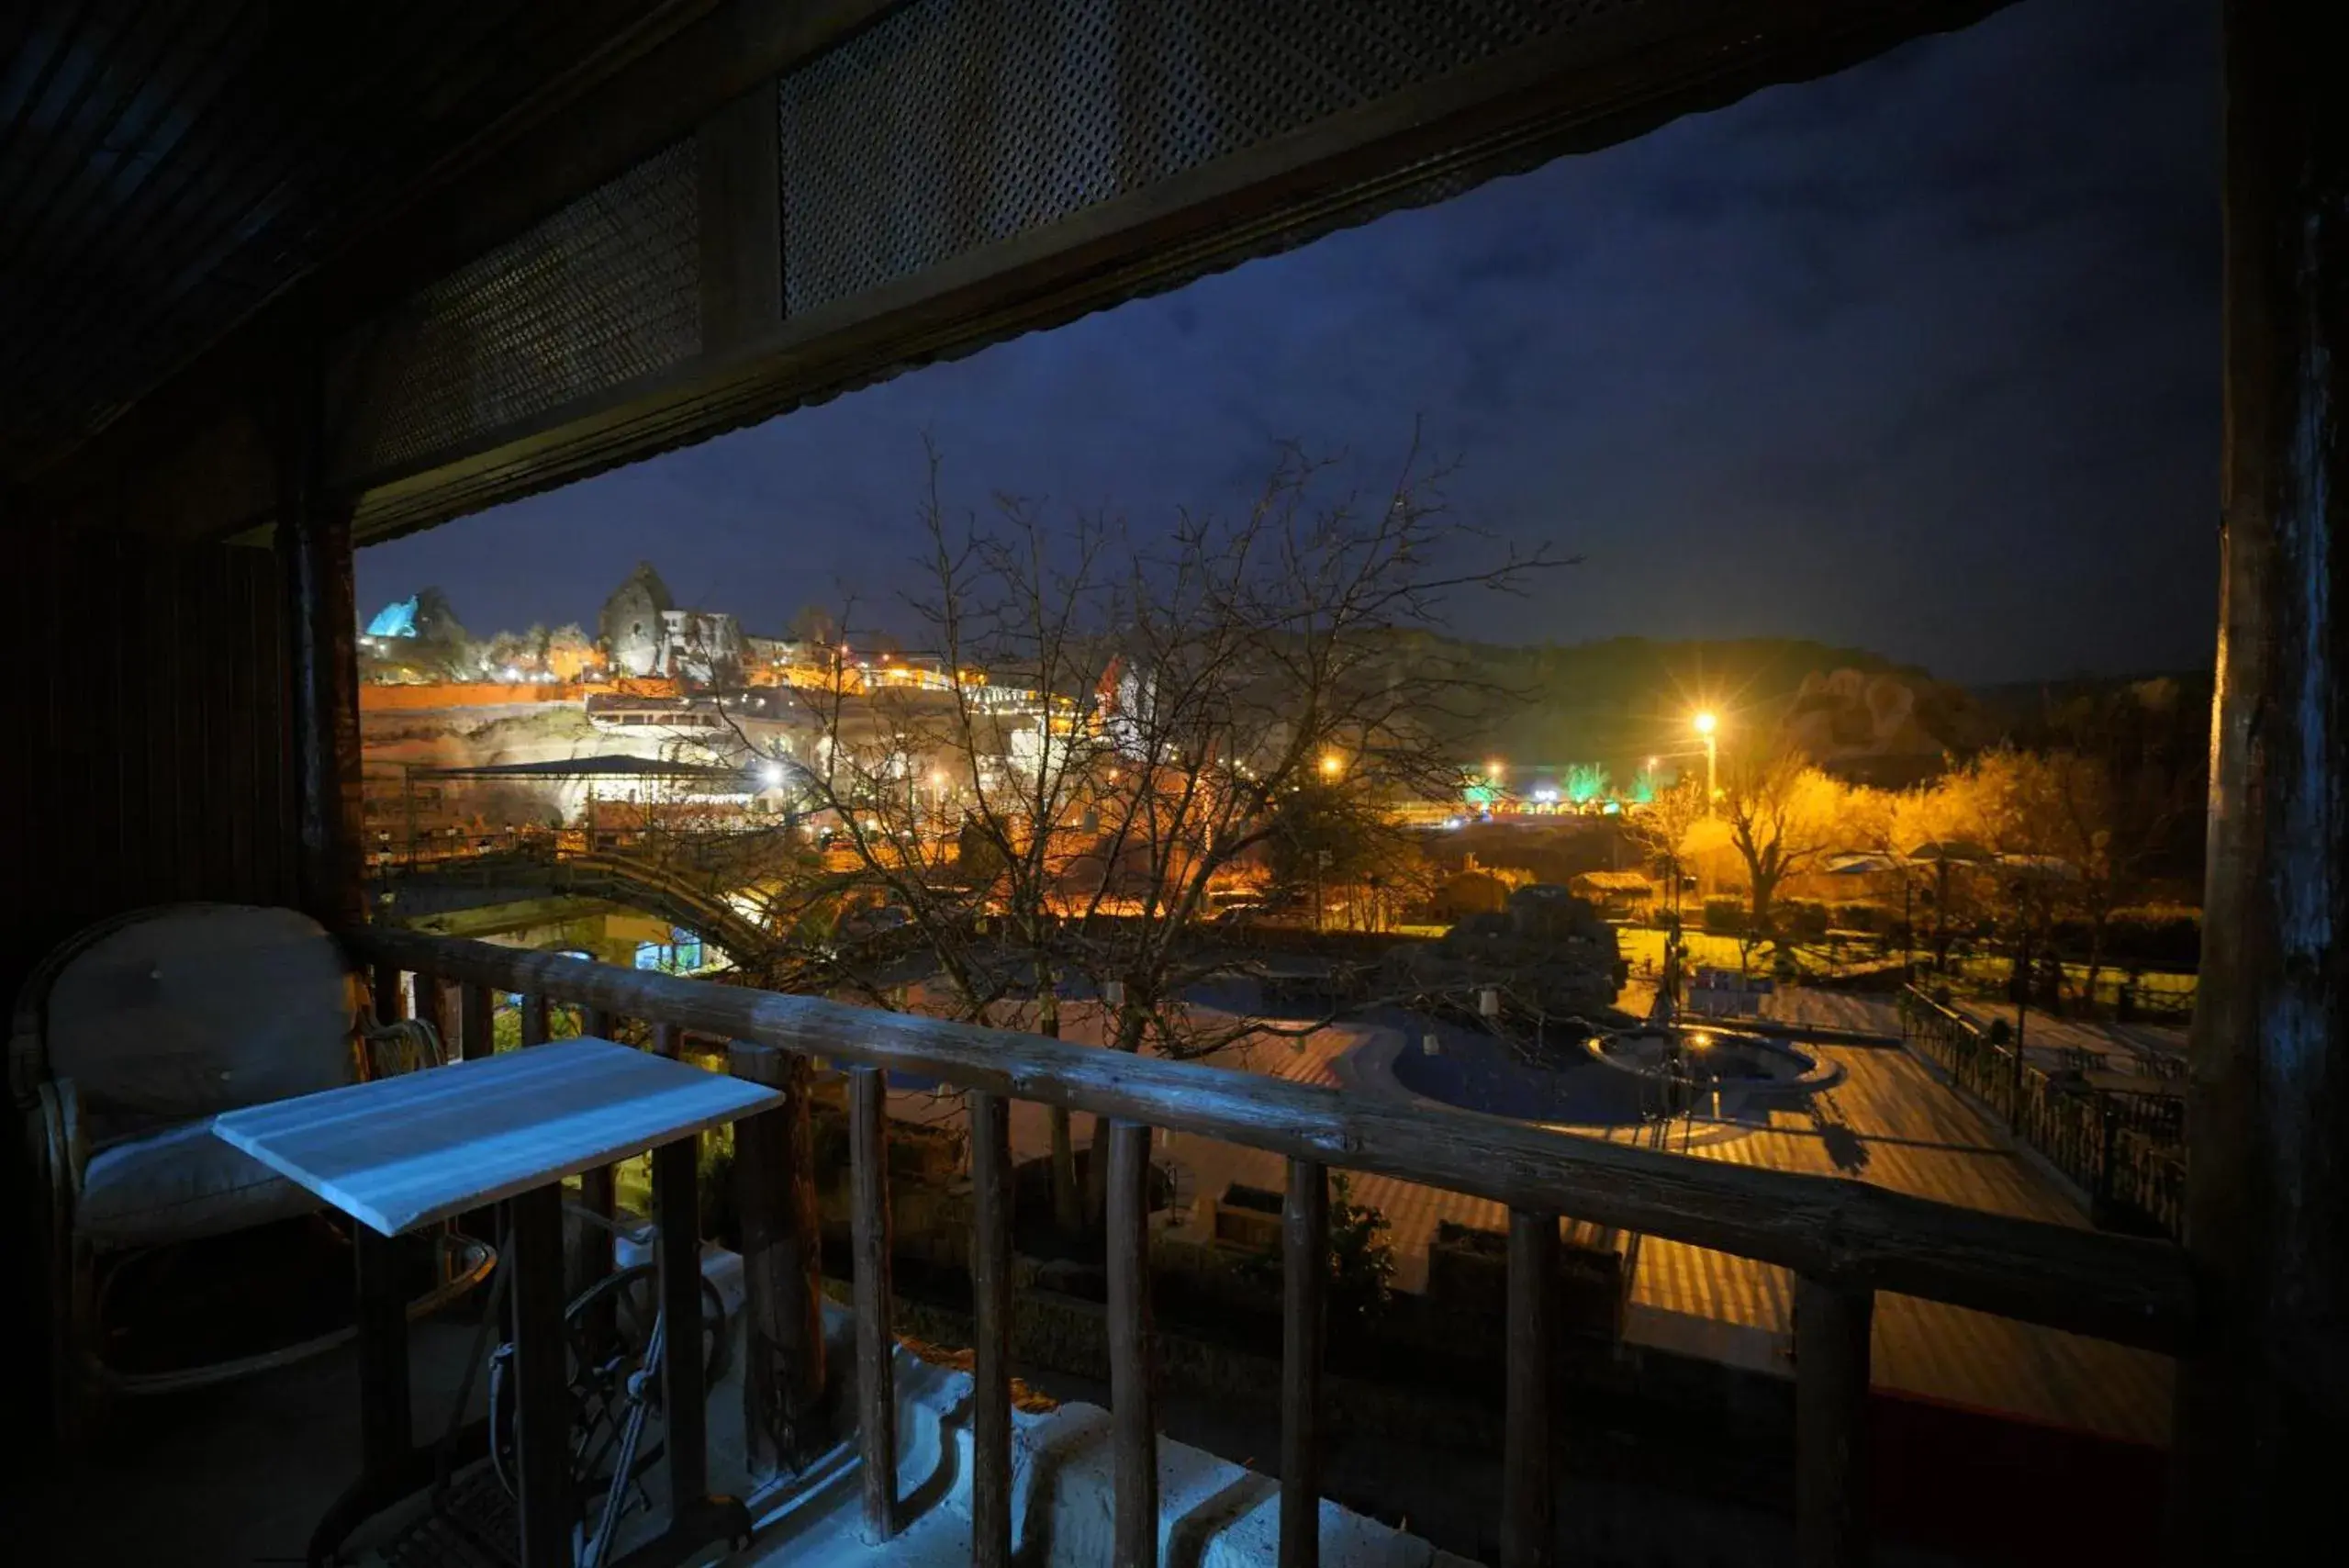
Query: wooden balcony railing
point(1844, 1241)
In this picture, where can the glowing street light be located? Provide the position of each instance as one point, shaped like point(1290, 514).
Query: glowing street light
point(1332, 765)
point(1707, 723)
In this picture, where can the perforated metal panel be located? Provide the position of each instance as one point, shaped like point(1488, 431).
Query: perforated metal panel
point(952, 124)
point(605, 290)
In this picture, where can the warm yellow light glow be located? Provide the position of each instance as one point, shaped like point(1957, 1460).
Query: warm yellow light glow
point(1492, 770)
point(1700, 1039)
point(1706, 722)
point(1332, 765)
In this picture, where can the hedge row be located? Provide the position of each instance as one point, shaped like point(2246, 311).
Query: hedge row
point(2167, 935)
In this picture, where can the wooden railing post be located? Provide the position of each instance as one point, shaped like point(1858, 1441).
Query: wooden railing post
point(389, 996)
point(1527, 1525)
point(314, 553)
point(534, 1018)
point(1304, 1288)
point(1132, 1413)
point(476, 1020)
point(432, 1005)
point(775, 1183)
point(1832, 1324)
point(869, 1234)
point(476, 1015)
point(990, 1289)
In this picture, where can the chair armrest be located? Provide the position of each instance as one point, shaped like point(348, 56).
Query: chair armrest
point(60, 1149)
point(405, 1045)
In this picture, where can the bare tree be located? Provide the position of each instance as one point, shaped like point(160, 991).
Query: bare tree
point(1119, 727)
point(1661, 829)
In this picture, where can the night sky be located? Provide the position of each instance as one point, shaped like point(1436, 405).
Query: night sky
point(1923, 358)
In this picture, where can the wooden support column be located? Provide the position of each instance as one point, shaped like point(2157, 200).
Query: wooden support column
point(741, 206)
point(774, 1183)
point(1831, 1327)
point(2263, 1409)
point(1527, 1520)
point(313, 541)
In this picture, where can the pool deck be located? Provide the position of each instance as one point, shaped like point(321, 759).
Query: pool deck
point(1889, 1122)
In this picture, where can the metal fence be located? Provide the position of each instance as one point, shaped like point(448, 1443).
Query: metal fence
point(2124, 1148)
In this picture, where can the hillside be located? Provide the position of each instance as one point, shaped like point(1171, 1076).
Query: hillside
point(1618, 702)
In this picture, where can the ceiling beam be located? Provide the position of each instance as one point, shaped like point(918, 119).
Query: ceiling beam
point(1600, 82)
point(651, 86)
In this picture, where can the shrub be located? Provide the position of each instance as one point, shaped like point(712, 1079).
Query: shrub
point(2157, 933)
point(1800, 919)
point(1361, 1261)
point(1473, 893)
point(1724, 917)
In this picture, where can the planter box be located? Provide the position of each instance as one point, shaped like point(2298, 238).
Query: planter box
point(1468, 1276)
point(1245, 1218)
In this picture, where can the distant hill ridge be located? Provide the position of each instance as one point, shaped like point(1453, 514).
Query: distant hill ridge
point(1621, 700)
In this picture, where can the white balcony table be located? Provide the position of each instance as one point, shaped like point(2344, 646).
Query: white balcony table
point(403, 1153)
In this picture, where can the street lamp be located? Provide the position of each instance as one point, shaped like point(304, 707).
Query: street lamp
point(1706, 724)
point(1332, 765)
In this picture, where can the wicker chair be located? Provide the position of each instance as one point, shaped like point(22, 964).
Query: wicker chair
point(125, 1042)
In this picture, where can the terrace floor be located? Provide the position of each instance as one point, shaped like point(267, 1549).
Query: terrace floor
point(238, 1476)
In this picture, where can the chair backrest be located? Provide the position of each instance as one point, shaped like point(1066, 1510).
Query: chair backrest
point(193, 1009)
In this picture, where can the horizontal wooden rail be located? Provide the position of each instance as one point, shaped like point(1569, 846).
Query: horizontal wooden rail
point(2112, 1287)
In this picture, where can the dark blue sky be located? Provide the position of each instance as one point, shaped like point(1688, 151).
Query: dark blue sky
point(1922, 358)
